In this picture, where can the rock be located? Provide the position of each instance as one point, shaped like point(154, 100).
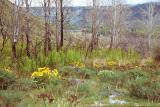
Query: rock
point(112, 99)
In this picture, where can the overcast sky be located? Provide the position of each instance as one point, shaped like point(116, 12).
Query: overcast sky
point(87, 2)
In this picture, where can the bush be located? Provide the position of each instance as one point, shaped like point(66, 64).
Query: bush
point(6, 78)
point(68, 71)
point(145, 88)
point(12, 96)
point(89, 73)
point(106, 75)
point(24, 84)
point(54, 58)
point(135, 73)
point(118, 55)
point(7, 62)
point(27, 64)
point(74, 56)
point(85, 89)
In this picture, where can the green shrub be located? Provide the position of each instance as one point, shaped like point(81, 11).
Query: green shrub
point(89, 73)
point(12, 96)
point(27, 64)
point(24, 84)
point(117, 55)
point(55, 86)
point(106, 75)
point(54, 58)
point(6, 78)
point(85, 89)
point(73, 56)
point(7, 62)
point(145, 88)
point(136, 73)
point(42, 60)
point(68, 71)
point(105, 90)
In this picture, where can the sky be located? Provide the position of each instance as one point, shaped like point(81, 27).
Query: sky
point(87, 2)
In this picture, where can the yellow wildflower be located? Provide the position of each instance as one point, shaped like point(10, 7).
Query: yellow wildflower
point(96, 65)
point(7, 69)
point(79, 65)
point(111, 63)
point(55, 72)
point(37, 74)
point(42, 69)
point(45, 72)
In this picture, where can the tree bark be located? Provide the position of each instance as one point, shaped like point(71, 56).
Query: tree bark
point(27, 29)
point(59, 24)
point(47, 37)
point(94, 39)
point(16, 27)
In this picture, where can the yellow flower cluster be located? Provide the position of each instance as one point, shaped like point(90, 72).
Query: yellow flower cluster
point(97, 65)
point(111, 63)
point(78, 64)
point(45, 73)
point(7, 69)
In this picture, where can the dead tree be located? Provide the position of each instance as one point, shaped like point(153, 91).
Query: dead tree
point(28, 28)
point(150, 21)
point(47, 37)
point(150, 25)
point(3, 25)
point(94, 40)
point(114, 23)
point(118, 13)
point(59, 24)
point(16, 27)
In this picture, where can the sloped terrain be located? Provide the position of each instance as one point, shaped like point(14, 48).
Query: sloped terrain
point(7, 20)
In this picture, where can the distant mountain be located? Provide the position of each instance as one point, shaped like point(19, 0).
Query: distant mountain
point(79, 14)
point(138, 10)
point(76, 14)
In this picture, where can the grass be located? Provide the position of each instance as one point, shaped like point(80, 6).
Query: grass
point(83, 81)
point(84, 93)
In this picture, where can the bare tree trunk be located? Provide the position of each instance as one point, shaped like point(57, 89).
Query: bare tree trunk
point(150, 26)
point(3, 29)
point(114, 21)
point(47, 43)
point(59, 24)
point(16, 28)
point(62, 22)
point(27, 29)
point(57, 31)
point(94, 40)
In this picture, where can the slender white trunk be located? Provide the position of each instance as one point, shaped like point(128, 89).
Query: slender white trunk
point(150, 26)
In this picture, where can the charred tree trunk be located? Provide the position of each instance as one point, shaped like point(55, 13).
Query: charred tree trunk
point(59, 24)
point(114, 21)
point(16, 28)
point(94, 39)
point(62, 22)
point(47, 37)
point(27, 30)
